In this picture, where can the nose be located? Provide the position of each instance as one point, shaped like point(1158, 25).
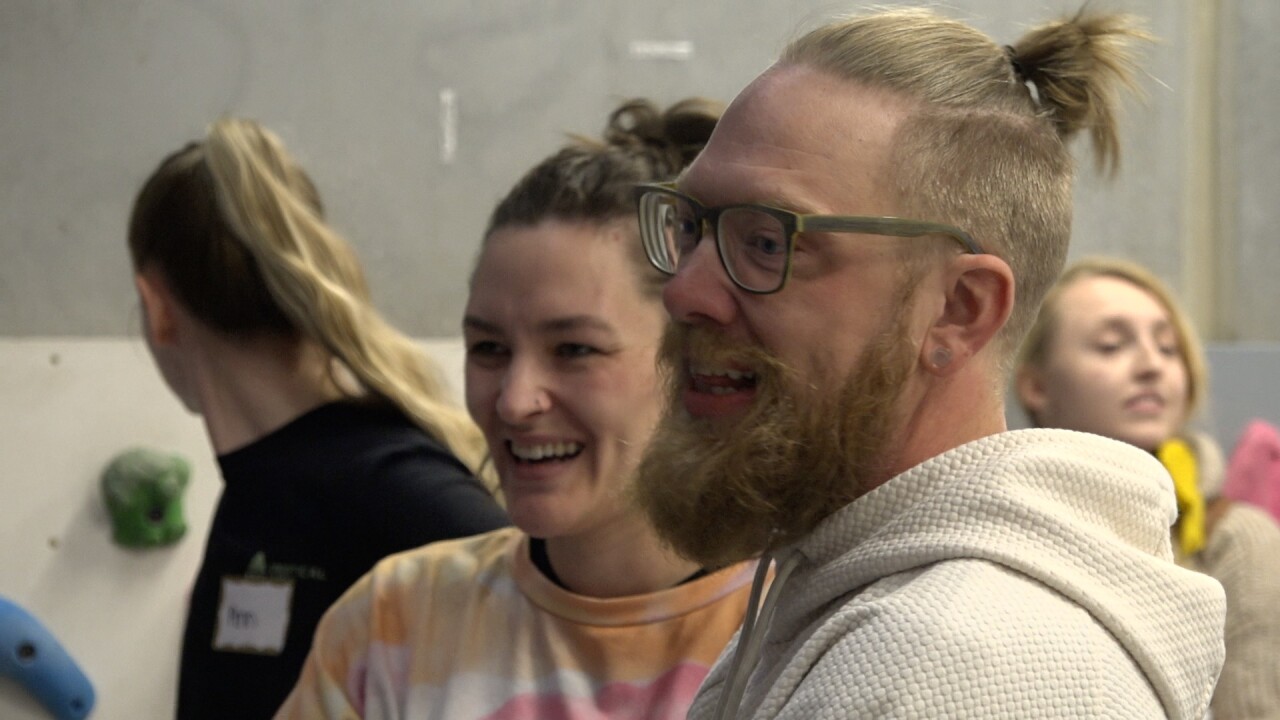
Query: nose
point(523, 394)
point(1149, 362)
point(701, 290)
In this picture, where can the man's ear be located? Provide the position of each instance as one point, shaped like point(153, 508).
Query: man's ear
point(159, 312)
point(978, 296)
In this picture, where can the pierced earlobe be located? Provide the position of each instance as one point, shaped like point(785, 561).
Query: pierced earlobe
point(940, 357)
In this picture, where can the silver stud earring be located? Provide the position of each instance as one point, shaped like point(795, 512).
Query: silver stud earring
point(940, 357)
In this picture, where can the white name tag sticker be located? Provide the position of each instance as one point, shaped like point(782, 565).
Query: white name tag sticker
point(253, 615)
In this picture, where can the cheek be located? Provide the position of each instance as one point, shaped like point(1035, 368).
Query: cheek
point(1080, 394)
point(625, 405)
point(840, 356)
point(820, 360)
point(481, 394)
point(1180, 389)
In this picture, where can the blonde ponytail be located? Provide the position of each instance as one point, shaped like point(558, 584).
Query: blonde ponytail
point(314, 277)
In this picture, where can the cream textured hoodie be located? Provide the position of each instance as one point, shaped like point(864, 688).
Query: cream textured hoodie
point(1024, 575)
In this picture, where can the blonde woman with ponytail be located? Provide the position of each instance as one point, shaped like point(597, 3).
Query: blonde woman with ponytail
point(336, 441)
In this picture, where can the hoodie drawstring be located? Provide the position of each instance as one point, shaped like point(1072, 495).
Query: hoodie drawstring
point(747, 653)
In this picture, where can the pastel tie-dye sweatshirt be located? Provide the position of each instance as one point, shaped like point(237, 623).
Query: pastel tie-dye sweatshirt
point(471, 629)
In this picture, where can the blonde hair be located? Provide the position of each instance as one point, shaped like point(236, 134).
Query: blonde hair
point(985, 145)
point(237, 229)
point(1035, 350)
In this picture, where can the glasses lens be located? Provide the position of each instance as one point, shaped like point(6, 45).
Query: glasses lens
point(668, 227)
point(755, 248)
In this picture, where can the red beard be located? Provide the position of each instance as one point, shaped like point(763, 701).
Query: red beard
point(723, 491)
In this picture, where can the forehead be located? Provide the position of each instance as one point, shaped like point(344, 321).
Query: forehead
point(531, 276)
point(801, 138)
point(1092, 301)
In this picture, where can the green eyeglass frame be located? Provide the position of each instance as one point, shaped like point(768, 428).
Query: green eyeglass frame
point(666, 258)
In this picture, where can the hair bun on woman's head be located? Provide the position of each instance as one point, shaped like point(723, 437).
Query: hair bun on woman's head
point(594, 179)
point(672, 137)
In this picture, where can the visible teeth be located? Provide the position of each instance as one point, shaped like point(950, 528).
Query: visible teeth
point(722, 372)
point(717, 390)
point(545, 450)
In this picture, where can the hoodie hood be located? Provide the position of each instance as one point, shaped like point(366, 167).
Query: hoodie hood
point(1210, 465)
point(1086, 516)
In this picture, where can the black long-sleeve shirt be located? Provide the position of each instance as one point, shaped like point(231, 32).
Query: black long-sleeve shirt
point(305, 511)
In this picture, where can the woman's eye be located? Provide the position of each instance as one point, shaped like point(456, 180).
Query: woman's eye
point(485, 349)
point(574, 350)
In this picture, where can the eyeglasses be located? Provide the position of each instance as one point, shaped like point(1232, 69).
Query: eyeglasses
point(755, 242)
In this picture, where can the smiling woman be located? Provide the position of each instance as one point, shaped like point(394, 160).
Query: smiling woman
point(579, 611)
point(560, 376)
point(1112, 353)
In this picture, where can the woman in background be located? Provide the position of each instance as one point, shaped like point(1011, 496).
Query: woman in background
point(580, 612)
point(335, 441)
point(1113, 354)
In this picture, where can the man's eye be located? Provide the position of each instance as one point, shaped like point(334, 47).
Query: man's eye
point(686, 234)
point(767, 244)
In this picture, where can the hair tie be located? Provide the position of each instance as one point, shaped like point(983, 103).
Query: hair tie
point(1018, 70)
point(1020, 74)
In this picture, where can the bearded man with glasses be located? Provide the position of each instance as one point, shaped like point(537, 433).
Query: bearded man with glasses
point(854, 257)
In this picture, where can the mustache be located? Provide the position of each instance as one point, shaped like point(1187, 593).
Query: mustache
point(684, 346)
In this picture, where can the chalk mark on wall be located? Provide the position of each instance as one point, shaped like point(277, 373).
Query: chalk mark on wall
point(660, 49)
point(448, 126)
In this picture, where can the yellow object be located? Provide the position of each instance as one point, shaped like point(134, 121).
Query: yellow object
point(1178, 458)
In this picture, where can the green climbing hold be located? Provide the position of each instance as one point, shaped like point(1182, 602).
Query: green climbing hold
point(143, 489)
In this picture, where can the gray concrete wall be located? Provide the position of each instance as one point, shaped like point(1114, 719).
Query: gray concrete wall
point(1250, 144)
point(94, 94)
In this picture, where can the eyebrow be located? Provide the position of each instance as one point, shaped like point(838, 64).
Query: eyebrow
point(575, 322)
point(773, 200)
point(471, 322)
point(1125, 324)
point(560, 324)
